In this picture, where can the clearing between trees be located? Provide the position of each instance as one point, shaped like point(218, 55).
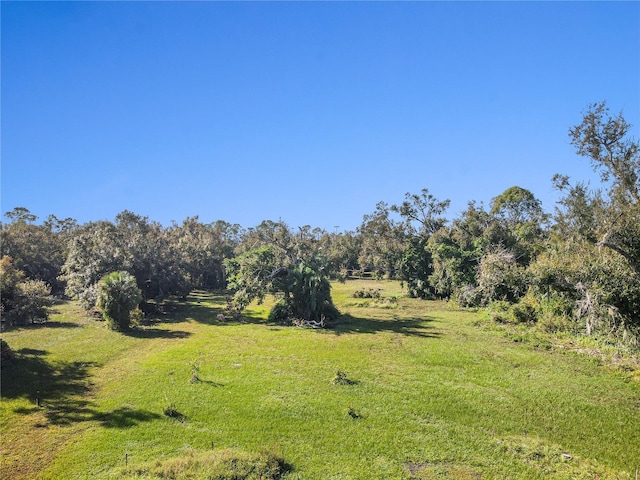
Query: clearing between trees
point(398, 388)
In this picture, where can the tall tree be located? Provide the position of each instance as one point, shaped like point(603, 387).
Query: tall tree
point(423, 216)
point(302, 285)
point(92, 254)
point(521, 214)
point(594, 261)
point(457, 249)
point(37, 250)
point(605, 140)
point(383, 241)
point(422, 213)
point(132, 244)
point(342, 251)
point(202, 248)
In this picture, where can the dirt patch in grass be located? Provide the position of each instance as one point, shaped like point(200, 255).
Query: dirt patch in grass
point(25, 456)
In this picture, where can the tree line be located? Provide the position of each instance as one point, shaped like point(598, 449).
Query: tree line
point(576, 268)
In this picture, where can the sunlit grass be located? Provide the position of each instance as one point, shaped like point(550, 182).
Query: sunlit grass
point(430, 396)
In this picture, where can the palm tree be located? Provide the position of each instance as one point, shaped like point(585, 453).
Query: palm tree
point(118, 295)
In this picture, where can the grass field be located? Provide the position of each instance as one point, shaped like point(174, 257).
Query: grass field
point(426, 394)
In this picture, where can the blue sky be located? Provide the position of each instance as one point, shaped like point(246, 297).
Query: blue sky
point(306, 112)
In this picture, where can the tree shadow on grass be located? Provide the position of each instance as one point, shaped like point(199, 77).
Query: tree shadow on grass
point(30, 375)
point(60, 391)
point(49, 324)
point(204, 307)
point(150, 332)
point(348, 324)
point(198, 306)
point(211, 383)
point(124, 417)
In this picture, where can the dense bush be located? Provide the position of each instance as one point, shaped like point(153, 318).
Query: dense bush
point(118, 296)
point(281, 313)
point(307, 293)
point(367, 293)
point(301, 286)
point(23, 300)
point(32, 302)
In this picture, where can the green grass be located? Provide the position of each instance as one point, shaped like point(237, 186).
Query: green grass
point(432, 396)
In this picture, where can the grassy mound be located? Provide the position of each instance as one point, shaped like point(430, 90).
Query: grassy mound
point(227, 464)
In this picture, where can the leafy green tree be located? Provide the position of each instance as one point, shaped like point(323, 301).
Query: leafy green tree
point(482, 255)
point(383, 241)
point(38, 250)
point(517, 206)
point(146, 251)
point(118, 296)
point(202, 248)
point(302, 286)
point(416, 267)
point(594, 258)
point(133, 244)
point(423, 213)
point(423, 217)
point(92, 254)
point(342, 251)
point(521, 214)
point(290, 245)
point(605, 140)
point(10, 277)
point(457, 249)
point(21, 215)
point(249, 274)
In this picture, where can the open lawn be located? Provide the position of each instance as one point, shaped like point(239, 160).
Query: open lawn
point(423, 393)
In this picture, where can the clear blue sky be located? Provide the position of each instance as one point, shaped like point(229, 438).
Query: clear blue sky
point(308, 112)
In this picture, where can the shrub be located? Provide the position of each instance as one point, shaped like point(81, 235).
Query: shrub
point(33, 298)
point(6, 354)
point(499, 276)
point(195, 371)
point(550, 323)
point(367, 293)
point(342, 379)
point(467, 296)
point(23, 300)
point(307, 293)
point(524, 313)
point(172, 412)
point(500, 311)
point(118, 295)
point(281, 313)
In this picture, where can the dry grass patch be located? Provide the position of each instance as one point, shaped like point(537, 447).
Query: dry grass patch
point(227, 464)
